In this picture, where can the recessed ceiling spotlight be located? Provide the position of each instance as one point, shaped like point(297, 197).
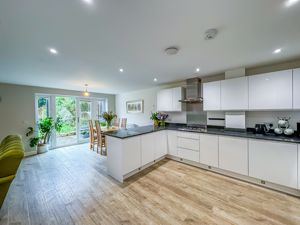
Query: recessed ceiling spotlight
point(210, 34)
point(276, 51)
point(90, 2)
point(172, 50)
point(289, 3)
point(155, 80)
point(121, 70)
point(53, 51)
point(198, 70)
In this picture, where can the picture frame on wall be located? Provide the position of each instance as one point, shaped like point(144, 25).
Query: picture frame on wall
point(136, 106)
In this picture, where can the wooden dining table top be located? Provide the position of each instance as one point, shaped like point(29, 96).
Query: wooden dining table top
point(105, 129)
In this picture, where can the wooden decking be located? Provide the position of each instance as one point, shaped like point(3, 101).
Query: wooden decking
point(71, 186)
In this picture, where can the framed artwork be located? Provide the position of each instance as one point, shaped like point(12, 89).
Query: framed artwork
point(136, 106)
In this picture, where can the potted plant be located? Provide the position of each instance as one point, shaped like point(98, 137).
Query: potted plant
point(155, 119)
point(46, 126)
point(162, 118)
point(108, 117)
point(33, 141)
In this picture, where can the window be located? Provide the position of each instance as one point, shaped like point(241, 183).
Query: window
point(101, 108)
point(43, 105)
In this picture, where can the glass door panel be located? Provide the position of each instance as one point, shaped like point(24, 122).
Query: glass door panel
point(66, 113)
point(84, 115)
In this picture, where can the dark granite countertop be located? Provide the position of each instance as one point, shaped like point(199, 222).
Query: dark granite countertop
point(126, 133)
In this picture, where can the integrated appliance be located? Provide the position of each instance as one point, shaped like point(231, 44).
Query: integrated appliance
point(194, 127)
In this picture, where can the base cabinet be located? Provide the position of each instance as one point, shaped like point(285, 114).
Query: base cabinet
point(209, 150)
point(161, 146)
point(274, 162)
point(148, 148)
point(188, 154)
point(131, 154)
point(233, 154)
point(172, 143)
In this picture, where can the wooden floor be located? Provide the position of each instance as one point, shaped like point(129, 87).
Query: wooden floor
point(70, 186)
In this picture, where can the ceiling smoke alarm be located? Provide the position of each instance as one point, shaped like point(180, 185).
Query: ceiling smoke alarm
point(171, 50)
point(210, 34)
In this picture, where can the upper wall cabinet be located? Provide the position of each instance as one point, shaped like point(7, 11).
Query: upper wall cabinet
point(234, 94)
point(168, 100)
point(271, 91)
point(296, 88)
point(212, 96)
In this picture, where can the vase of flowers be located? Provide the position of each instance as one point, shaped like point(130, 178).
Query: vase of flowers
point(108, 117)
point(162, 118)
point(155, 119)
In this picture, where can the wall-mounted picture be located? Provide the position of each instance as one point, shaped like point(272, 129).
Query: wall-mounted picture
point(136, 106)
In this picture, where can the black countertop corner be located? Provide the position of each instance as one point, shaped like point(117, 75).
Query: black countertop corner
point(126, 133)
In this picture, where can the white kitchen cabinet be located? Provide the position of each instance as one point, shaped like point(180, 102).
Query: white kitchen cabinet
point(164, 100)
point(168, 100)
point(274, 161)
point(161, 146)
point(172, 142)
point(234, 94)
point(148, 148)
point(177, 94)
point(188, 154)
point(131, 154)
point(212, 96)
point(233, 154)
point(299, 167)
point(209, 150)
point(271, 91)
point(296, 88)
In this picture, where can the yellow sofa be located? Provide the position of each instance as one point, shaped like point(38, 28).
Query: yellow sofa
point(11, 155)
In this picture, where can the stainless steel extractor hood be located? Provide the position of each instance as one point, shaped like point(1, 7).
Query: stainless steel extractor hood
point(193, 91)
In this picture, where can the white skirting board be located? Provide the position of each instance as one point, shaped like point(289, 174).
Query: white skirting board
point(31, 153)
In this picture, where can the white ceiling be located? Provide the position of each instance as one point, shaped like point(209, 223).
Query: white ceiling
point(95, 40)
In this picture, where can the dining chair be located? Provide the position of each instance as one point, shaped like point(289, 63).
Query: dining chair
point(100, 138)
point(124, 123)
point(116, 122)
point(93, 136)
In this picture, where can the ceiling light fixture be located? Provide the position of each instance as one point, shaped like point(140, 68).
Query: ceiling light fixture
point(155, 80)
point(86, 93)
point(53, 51)
point(276, 51)
point(198, 70)
point(121, 70)
point(171, 50)
point(289, 3)
point(210, 34)
point(90, 2)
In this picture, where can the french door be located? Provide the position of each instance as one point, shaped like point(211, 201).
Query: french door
point(73, 113)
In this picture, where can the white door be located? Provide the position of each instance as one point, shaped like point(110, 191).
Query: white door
point(131, 154)
point(273, 161)
point(209, 150)
point(234, 94)
point(212, 96)
point(233, 154)
point(161, 146)
point(271, 91)
point(296, 88)
point(148, 148)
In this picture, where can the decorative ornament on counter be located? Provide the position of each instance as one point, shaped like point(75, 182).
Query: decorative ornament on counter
point(284, 127)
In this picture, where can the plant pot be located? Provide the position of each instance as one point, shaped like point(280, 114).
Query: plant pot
point(162, 123)
point(156, 123)
point(43, 148)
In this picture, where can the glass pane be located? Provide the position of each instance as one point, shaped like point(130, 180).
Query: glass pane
point(66, 112)
point(43, 108)
point(84, 117)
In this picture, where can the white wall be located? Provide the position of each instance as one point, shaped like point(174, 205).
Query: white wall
point(149, 97)
point(17, 107)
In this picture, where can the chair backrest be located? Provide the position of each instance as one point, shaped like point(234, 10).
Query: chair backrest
point(91, 127)
point(124, 123)
point(98, 130)
point(116, 122)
